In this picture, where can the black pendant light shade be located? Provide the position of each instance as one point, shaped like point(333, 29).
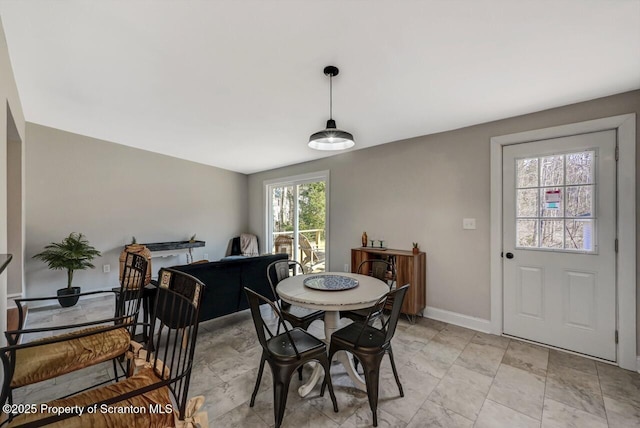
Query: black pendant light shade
point(331, 138)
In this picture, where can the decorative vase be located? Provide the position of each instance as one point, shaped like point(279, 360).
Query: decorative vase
point(136, 249)
point(364, 239)
point(68, 297)
point(416, 250)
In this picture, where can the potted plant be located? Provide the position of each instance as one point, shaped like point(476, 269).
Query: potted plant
point(416, 249)
point(73, 253)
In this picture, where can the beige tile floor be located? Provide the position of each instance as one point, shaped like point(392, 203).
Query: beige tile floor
point(452, 377)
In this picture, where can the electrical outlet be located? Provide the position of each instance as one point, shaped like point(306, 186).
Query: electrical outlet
point(468, 223)
point(106, 268)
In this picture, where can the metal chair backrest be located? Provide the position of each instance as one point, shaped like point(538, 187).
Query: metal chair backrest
point(183, 284)
point(279, 270)
point(175, 330)
point(378, 268)
point(396, 296)
point(262, 329)
point(131, 286)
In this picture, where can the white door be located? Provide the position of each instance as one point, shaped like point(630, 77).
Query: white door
point(559, 231)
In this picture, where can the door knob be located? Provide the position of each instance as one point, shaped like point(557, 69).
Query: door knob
point(509, 255)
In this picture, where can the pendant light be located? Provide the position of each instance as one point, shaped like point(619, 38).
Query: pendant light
point(331, 138)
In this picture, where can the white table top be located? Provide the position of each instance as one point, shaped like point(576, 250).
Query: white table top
point(368, 291)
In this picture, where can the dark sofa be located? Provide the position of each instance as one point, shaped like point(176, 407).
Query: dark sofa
point(224, 281)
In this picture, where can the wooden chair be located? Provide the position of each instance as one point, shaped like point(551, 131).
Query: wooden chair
point(369, 344)
point(80, 345)
point(284, 244)
point(161, 381)
point(284, 353)
point(308, 253)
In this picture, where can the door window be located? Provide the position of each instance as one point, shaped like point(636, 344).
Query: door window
point(555, 207)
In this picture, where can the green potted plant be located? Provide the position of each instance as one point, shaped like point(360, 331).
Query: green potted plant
point(416, 248)
point(73, 253)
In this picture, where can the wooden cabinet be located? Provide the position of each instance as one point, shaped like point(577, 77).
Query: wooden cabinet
point(410, 269)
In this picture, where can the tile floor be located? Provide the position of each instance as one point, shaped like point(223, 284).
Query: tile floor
point(452, 377)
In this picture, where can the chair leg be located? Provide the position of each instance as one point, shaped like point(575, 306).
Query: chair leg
point(255, 389)
point(145, 317)
point(281, 380)
point(371, 366)
point(327, 381)
point(115, 368)
point(332, 351)
point(395, 372)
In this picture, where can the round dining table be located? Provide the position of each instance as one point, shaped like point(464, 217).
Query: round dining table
point(367, 292)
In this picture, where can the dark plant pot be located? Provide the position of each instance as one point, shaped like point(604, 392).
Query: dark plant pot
point(68, 297)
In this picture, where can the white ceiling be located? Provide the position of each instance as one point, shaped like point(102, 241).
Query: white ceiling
point(238, 84)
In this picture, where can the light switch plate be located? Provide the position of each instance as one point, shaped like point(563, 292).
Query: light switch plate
point(468, 223)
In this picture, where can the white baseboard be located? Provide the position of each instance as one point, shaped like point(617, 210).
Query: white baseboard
point(461, 320)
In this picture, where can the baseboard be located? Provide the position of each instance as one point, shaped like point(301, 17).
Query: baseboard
point(461, 320)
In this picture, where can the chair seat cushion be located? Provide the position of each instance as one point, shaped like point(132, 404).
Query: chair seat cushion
point(281, 347)
point(370, 338)
point(148, 418)
point(361, 315)
point(39, 363)
point(300, 314)
point(356, 314)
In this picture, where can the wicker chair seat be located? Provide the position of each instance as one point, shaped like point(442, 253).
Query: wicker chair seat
point(144, 377)
point(39, 363)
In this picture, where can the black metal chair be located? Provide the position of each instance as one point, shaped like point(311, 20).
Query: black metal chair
point(369, 344)
point(285, 352)
point(297, 316)
point(384, 271)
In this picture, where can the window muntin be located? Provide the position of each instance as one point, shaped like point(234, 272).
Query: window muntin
point(555, 202)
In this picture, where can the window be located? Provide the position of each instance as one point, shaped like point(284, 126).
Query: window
point(555, 206)
point(296, 216)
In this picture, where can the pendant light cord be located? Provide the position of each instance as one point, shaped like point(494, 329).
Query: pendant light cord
point(330, 96)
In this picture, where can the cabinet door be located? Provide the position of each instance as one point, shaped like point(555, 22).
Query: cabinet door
point(405, 276)
point(357, 257)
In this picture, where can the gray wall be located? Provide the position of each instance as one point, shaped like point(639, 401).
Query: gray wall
point(420, 190)
point(111, 192)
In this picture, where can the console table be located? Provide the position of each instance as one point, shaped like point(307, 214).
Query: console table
point(410, 269)
point(175, 248)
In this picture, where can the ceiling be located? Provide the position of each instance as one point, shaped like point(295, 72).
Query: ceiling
point(238, 84)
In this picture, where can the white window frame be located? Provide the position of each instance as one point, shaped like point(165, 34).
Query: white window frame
point(295, 180)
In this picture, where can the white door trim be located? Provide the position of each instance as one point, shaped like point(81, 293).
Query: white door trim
point(625, 126)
